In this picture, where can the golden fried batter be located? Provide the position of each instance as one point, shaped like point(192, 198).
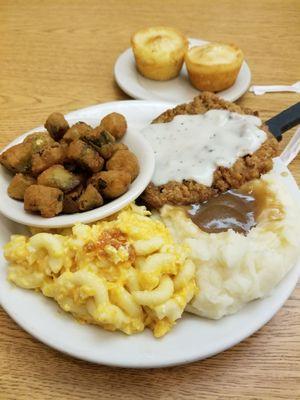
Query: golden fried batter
point(46, 157)
point(124, 160)
point(58, 177)
point(56, 125)
point(85, 156)
point(77, 131)
point(111, 184)
point(17, 158)
point(107, 150)
point(70, 204)
point(98, 137)
point(18, 185)
point(45, 200)
point(244, 169)
point(115, 124)
point(39, 140)
point(90, 199)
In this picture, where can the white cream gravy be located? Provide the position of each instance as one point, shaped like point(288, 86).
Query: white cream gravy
point(194, 146)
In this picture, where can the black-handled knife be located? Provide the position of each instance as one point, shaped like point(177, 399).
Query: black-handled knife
point(284, 121)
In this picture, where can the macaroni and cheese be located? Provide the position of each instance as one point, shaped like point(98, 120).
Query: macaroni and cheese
point(124, 273)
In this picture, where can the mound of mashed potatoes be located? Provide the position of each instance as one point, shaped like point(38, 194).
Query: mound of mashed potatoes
point(231, 268)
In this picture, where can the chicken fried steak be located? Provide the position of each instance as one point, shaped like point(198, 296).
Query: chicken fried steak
point(243, 170)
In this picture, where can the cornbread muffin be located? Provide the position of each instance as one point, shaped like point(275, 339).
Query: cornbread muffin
point(214, 66)
point(159, 52)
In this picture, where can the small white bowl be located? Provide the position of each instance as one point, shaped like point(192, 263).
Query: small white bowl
point(14, 209)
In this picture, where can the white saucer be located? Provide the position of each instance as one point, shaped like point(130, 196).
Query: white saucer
point(176, 90)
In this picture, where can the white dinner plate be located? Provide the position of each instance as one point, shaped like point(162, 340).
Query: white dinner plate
point(192, 338)
point(176, 90)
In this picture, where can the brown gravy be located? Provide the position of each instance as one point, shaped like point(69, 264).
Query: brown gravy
point(238, 210)
point(230, 210)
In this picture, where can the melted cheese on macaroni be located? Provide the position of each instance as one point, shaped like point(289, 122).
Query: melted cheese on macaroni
point(124, 273)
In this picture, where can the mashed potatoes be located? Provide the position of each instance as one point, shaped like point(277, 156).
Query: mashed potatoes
point(233, 269)
point(125, 273)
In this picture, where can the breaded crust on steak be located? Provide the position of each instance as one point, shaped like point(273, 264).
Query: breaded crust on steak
point(243, 170)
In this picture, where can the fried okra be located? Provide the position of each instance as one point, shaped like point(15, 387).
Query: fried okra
point(111, 184)
point(98, 138)
point(71, 169)
point(48, 156)
point(70, 204)
point(84, 156)
point(17, 158)
point(90, 199)
point(58, 177)
point(39, 140)
point(109, 149)
point(47, 201)
point(18, 185)
point(77, 131)
point(115, 124)
point(124, 160)
point(56, 125)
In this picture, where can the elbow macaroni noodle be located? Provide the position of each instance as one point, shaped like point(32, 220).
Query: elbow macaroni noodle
point(123, 274)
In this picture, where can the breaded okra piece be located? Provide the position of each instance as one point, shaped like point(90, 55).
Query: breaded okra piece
point(115, 124)
point(39, 140)
point(18, 185)
point(111, 184)
point(56, 125)
point(17, 158)
point(58, 177)
point(48, 156)
point(124, 160)
point(84, 156)
point(98, 137)
point(70, 204)
point(77, 131)
point(45, 200)
point(90, 199)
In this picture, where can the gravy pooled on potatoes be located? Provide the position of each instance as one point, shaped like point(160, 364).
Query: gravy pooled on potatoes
point(235, 209)
point(229, 210)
